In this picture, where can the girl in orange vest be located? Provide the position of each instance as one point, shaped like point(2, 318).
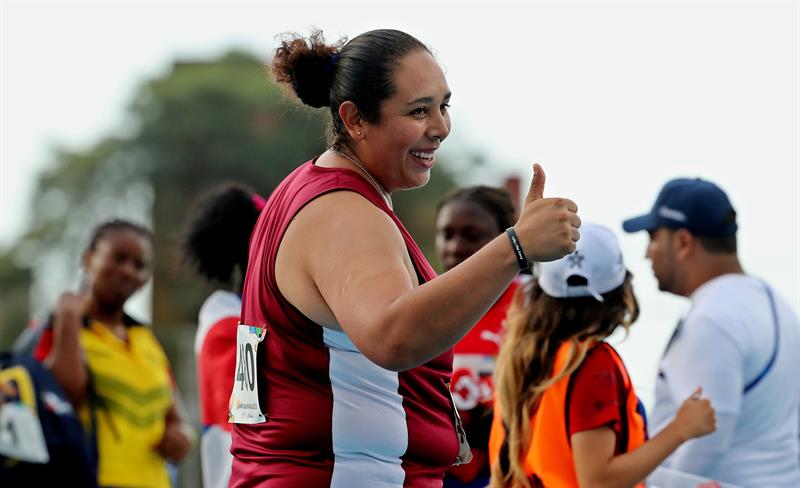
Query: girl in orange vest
point(565, 412)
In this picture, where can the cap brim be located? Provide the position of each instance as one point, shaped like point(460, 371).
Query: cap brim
point(643, 222)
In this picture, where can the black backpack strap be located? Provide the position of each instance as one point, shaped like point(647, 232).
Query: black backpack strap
point(567, 403)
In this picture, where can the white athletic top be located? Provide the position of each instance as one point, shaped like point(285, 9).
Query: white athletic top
point(724, 344)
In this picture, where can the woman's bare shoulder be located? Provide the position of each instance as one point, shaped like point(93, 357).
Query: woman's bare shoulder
point(342, 210)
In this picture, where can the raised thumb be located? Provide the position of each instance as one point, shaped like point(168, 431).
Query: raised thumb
point(536, 191)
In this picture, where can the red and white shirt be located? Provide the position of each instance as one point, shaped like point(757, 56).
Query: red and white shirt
point(476, 353)
point(215, 354)
point(473, 387)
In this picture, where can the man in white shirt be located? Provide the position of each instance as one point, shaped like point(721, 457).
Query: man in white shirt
point(740, 341)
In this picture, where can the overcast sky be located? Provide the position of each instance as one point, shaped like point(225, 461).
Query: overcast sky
point(612, 98)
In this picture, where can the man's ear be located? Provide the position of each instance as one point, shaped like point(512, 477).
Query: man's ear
point(684, 244)
point(352, 120)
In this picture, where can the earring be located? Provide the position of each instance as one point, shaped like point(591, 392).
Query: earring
point(358, 133)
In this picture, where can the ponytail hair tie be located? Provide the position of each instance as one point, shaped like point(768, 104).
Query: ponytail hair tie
point(258, 201)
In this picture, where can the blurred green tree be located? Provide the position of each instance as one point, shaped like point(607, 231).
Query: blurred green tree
point(14, 300)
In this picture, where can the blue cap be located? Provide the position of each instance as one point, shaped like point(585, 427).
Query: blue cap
point(693, 204)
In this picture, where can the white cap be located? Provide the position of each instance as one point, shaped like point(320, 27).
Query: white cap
point(597, 258)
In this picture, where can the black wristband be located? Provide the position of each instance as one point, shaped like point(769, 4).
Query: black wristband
point(522, 261)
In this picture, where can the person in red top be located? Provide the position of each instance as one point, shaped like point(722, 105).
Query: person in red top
point(215, 244)
point(468, 219)
point(344, 353)
point(566, 414)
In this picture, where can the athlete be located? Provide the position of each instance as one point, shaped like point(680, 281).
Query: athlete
point(345, 346)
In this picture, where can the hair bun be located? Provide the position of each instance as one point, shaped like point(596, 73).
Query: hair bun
point(308, 64)
point(316, 93)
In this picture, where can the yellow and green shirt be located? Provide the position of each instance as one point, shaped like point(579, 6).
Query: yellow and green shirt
point(132, 392)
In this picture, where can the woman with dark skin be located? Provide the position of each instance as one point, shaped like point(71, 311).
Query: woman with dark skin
point(112, 368)
point(468, 219)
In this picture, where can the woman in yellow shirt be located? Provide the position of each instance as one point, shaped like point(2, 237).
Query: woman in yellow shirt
point(112, 367)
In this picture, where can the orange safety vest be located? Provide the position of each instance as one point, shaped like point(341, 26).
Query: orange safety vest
point(549, 456)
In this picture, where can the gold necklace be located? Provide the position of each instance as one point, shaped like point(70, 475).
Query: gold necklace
point(360, 165)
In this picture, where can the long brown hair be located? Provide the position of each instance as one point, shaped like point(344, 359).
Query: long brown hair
point(536, 326)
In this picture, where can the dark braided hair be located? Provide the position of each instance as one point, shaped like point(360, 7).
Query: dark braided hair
point(102, 230)
point(217, 234)
point(496, 201)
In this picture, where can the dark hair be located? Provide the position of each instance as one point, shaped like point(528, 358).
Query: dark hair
point(721, 244)
point(328, 75)
point(496, 201)
point(217, 233)
point(102, 230)
point(718, 245)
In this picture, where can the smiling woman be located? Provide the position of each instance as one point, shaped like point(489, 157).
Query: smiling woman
point(401, 112)
point(352, 333)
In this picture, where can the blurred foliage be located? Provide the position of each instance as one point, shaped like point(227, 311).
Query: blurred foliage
point(14, 302)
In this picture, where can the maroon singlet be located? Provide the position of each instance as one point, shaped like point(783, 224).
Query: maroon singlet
point(333, 417)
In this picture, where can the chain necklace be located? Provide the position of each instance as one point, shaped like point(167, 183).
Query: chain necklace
point(363, 169)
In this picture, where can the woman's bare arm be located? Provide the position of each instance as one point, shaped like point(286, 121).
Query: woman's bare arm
point(178, 434)
point(593, 450)
point(597, 467)
point(344, 264)
point(65, 359)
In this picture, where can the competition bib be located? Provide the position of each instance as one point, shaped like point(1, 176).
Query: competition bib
point(243, 407)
